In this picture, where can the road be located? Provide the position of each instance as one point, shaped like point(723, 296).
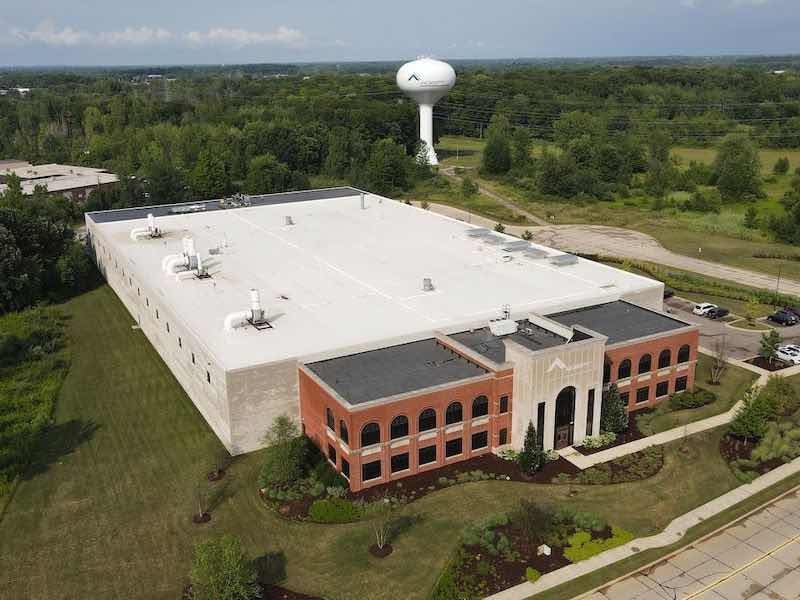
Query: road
point(756, 558)
point(625, 243)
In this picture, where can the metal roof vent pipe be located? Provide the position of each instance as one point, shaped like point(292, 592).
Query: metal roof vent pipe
point(363, 201)
point(255, 316)
point(151, 231)
point(427, 285)
point(287, 220)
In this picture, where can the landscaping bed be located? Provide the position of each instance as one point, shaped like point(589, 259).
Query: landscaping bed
point(629, 435)
point(274, 592)
point(633, 467)
point(504, 550)
point(763, 363)
point(734, 449)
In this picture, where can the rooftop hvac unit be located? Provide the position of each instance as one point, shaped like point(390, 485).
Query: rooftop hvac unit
point(256, 316)
point(151, 231)
point(494, 240)
point(427, 284)
point(503, 327)
point(478, 232)
point(517, 246)
point(287, 220)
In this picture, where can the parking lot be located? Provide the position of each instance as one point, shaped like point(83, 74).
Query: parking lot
point(741, 344)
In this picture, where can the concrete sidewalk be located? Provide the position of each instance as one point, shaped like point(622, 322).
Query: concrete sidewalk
point(672, 534)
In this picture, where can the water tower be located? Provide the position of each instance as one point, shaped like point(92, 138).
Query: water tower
point(426, 81)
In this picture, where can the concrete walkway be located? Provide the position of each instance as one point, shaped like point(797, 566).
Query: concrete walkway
point(623, 243)
point(672, 534)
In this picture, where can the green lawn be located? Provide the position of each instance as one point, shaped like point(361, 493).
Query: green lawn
point(108, 515)
point(731, 389)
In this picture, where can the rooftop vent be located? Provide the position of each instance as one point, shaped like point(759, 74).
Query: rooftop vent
point(427, 284)
point(563, 260)
point(517, 246)
point(185, 265)
point(535, 253)
point(287, 220)
point(363, 201)
point(256, 316)
point(478, 232)
point(151, 231)
point(503, 327)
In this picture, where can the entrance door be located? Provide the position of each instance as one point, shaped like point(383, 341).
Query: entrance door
point(565, 418)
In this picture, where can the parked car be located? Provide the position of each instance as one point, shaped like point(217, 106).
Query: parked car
point(789, 354)
point(795, 310)
point(718, 313)
point(703, 308)
point(782, 317)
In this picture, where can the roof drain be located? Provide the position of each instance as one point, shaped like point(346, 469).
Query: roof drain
point(427, 285)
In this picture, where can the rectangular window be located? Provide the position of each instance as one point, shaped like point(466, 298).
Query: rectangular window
point(167, 327)
point(138, 292)
point(208, 377)
point(540, 424)
point(193, 358)
point(400, 462)
point(503, 404)
point(180, 342)
point(371, 470)
point(156, 313)
point(346, 468)
point(453, 447)
point(625, 397)
point(503, 437)
point(681, 383)
point(427, 455)
point(332, 454)
point(642, 395)
point(147, 301)
point(480, 440)
point(662, 389)
point(590, 413)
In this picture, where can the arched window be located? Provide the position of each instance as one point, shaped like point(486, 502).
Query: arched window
point(664, 359)
point(645, 364)
point(371, 434)
point(399, 427)
point(480, 407)
point(329, 421)
point(343, 435)
point(624, 370)
point(427, 420)
point(683, 354)
point(454, 414)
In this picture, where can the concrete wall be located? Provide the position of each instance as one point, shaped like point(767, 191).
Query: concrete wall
point(539, 377)
point(177, 347)
point(652, 297)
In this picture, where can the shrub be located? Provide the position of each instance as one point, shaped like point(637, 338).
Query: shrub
point(533, 521)
point(286, 457)
point(531, 459)
point(532, 575)
point(614, 417)
point(751, 419)
point(604, 439)
point(334, 510)
point(683, 400)
point(222, 571)
point(582, 546)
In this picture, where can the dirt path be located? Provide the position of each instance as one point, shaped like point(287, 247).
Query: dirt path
point(625, 243)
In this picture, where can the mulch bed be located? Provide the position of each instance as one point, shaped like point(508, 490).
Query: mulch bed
point(763, 363)
point(200, 519)
point(380, 552)
point(732, 448)
point(216, 475)
point(417, 486)
point(632, 434)
point(274, 592)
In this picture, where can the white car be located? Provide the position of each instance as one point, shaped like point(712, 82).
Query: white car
point(789, 354)
point(703, 308)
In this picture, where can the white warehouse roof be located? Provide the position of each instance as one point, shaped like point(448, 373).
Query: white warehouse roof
point(343, 278)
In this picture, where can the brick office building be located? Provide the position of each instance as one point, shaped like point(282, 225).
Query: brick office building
point(395, 335)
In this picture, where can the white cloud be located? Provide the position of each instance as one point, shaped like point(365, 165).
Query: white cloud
point(49, 34)
point(239, 38)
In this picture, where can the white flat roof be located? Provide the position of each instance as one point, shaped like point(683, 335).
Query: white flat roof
point(55, 177)
point(345, 277)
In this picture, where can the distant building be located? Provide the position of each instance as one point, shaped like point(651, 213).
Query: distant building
point(72, 182)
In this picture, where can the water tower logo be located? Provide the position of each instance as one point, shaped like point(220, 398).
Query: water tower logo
point(414, 77)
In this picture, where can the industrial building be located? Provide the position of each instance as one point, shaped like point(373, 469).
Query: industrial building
point(72, 182)
point(401, 339)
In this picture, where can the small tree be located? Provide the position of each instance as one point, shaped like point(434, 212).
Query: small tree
point(751, 310)
point(222, 571)
point(527, 235)
point(614, 416)
point(769, 345)
point(751, 419)
point(381, 512)
point(286, 454)
point(720, 359)
point(781, 166)
point(468, 187)
point(751, 217)
point(531, 459)
point(500, 228)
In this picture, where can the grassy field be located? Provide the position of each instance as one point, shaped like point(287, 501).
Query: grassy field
point(730, 390)
point(107, 513)
point(722, 237)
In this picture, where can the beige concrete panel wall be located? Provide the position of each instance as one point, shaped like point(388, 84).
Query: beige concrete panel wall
point(539, 377)
point(182, 352)
point(652, 297)
point(256, 396)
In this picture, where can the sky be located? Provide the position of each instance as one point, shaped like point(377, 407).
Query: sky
point(149, 32)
